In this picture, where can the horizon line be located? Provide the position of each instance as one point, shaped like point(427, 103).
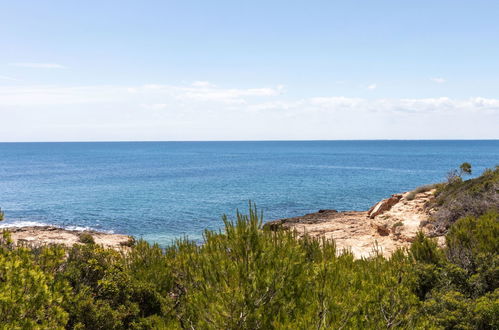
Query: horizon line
point(264, 140)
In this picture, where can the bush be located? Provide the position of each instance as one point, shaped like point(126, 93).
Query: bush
point(459, 199)
point(246, 277)
point(86, 238)
point(472, 243)
point(410, 196)
point(29, 296)
point(129, 243)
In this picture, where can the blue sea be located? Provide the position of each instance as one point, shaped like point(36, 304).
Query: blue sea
point(164, 190)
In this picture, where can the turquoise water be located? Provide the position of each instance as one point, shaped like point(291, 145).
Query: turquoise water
point(163, 190)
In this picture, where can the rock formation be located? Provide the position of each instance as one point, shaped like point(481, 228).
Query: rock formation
point(388, 225)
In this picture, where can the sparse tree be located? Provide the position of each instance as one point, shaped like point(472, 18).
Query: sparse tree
point(457, 175)
point(465, 168)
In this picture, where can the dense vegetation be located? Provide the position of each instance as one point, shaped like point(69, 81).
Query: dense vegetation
point(248, 278)
point(459, 198)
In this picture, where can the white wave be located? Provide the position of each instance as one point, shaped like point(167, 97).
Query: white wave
point(79, 228)
point(23, 223)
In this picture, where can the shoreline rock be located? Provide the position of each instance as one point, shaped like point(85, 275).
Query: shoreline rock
point(390, 224)
point(43, 235)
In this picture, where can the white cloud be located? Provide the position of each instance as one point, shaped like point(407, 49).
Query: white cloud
point(158, 96)
point(38, 65)
point(372, 86)
point(224, 95)
point(438, 80)
point(180, 112)
point(46, 95)
point(485, 103)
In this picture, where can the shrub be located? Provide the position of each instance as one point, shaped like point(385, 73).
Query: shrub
point(459, 199)
point(246, 277)
point(86, 238)
point(470, 240)
point(410, 196)
point(29, 296)
point(129, 243)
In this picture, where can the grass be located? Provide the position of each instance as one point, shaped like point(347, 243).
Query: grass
point(421, 189)
point(398, 224)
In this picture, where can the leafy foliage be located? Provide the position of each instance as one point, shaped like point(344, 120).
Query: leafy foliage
point(246, 277)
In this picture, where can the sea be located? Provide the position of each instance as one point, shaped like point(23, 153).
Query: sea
point(161, 191)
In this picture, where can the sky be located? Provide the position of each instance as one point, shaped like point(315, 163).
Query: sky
point(248, 70)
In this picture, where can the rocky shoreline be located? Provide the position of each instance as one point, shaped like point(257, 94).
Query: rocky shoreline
point(390, 224)
point(42, 235)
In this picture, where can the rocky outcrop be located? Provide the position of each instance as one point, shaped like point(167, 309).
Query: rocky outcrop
point(383, 206)
point(42, 235)
point(390, 224)
point(307, 219)
point(406, 217)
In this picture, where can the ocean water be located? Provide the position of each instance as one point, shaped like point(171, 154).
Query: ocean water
point(163, 190)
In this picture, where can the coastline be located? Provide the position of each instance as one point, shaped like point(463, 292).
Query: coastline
point(390, 224)
point(43, 235)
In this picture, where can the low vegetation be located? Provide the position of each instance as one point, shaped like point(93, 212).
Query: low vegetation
point(457, 198)
point(249, 278)
point(86, 238)
point(421, 189)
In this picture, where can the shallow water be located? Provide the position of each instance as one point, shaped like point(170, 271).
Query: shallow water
point(163, 190)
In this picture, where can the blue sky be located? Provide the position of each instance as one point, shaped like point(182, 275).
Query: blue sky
point(234, 70)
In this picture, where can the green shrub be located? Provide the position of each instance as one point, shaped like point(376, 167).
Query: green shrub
point(29, 297)
point(86, 238)
point(246, 277)
point(473, 244)
point(459, 199)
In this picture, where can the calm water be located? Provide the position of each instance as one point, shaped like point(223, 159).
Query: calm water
point(162, 190)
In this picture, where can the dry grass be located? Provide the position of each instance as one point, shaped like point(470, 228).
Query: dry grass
point(421, 189)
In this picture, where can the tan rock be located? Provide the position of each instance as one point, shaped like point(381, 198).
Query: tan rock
point(391, 224)
point(42, 235)
point(383, 206)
